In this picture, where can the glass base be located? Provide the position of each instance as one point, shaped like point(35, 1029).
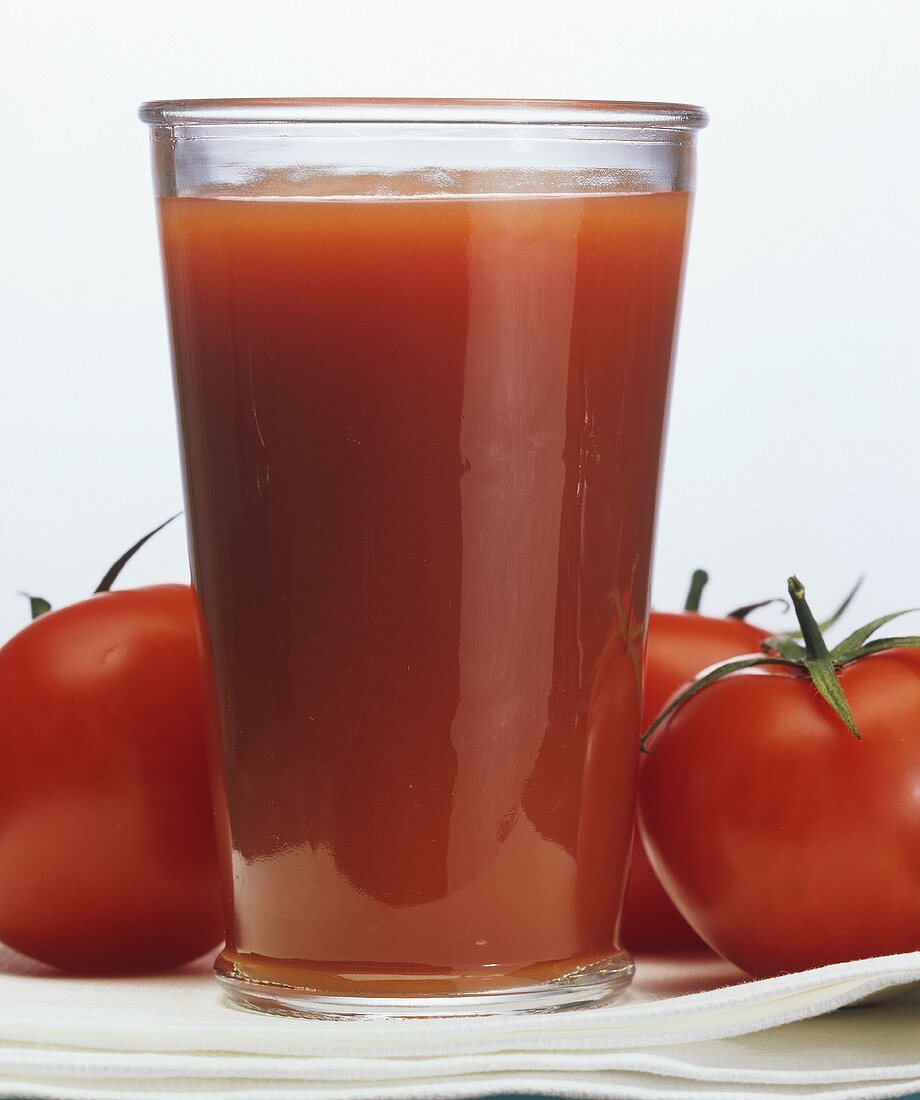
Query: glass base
point(596, 983)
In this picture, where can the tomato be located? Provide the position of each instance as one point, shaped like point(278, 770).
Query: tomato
point(107, 848)
point(785, 841)
point(680, 644)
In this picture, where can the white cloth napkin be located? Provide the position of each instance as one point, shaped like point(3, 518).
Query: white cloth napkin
point(690, 1027)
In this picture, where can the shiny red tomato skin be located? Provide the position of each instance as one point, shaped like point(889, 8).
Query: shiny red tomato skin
point(787, 842)
point(680, 645)
point(107, 849)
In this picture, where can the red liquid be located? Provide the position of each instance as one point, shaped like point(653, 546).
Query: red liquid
point(421, 444)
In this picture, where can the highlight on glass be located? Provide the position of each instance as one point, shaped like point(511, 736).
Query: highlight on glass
point(422, 354)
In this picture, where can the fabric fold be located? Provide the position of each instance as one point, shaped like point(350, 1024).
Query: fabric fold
point(690, 1027)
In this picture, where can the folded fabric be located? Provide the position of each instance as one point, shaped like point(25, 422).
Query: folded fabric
point(690, 1027)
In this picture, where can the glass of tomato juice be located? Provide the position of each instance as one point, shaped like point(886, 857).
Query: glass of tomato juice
point(422, 354)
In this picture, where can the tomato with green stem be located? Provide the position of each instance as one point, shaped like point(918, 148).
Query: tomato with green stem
point(680, 645)
point(108, 859)
point(782, 811)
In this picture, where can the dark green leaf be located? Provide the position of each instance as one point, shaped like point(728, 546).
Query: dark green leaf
point(109, 579)
point(824, 677)
point(710, 678)
point(37, 604)
point(882, 645)
point(748, 609)
point(784, 645)
point(844, 650)
point(826, 624)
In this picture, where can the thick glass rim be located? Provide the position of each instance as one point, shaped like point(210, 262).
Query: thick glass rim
point(616, 114)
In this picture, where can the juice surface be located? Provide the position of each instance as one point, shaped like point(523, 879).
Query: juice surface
point(421, 447)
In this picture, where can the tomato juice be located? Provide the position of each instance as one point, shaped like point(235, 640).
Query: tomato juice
point(421, 447)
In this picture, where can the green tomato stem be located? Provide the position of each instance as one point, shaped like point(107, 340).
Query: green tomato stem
point(814, 659)
point(815, 646)
point(698, 582)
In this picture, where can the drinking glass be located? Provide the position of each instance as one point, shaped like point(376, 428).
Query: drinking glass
point(421, 357)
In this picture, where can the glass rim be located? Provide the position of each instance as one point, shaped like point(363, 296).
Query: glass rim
point(614, 114)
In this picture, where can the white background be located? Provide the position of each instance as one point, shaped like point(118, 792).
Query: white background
point(794, 439)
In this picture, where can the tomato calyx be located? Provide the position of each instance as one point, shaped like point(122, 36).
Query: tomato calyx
point(38, 605)
point(698, 582)
point(813, 658)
